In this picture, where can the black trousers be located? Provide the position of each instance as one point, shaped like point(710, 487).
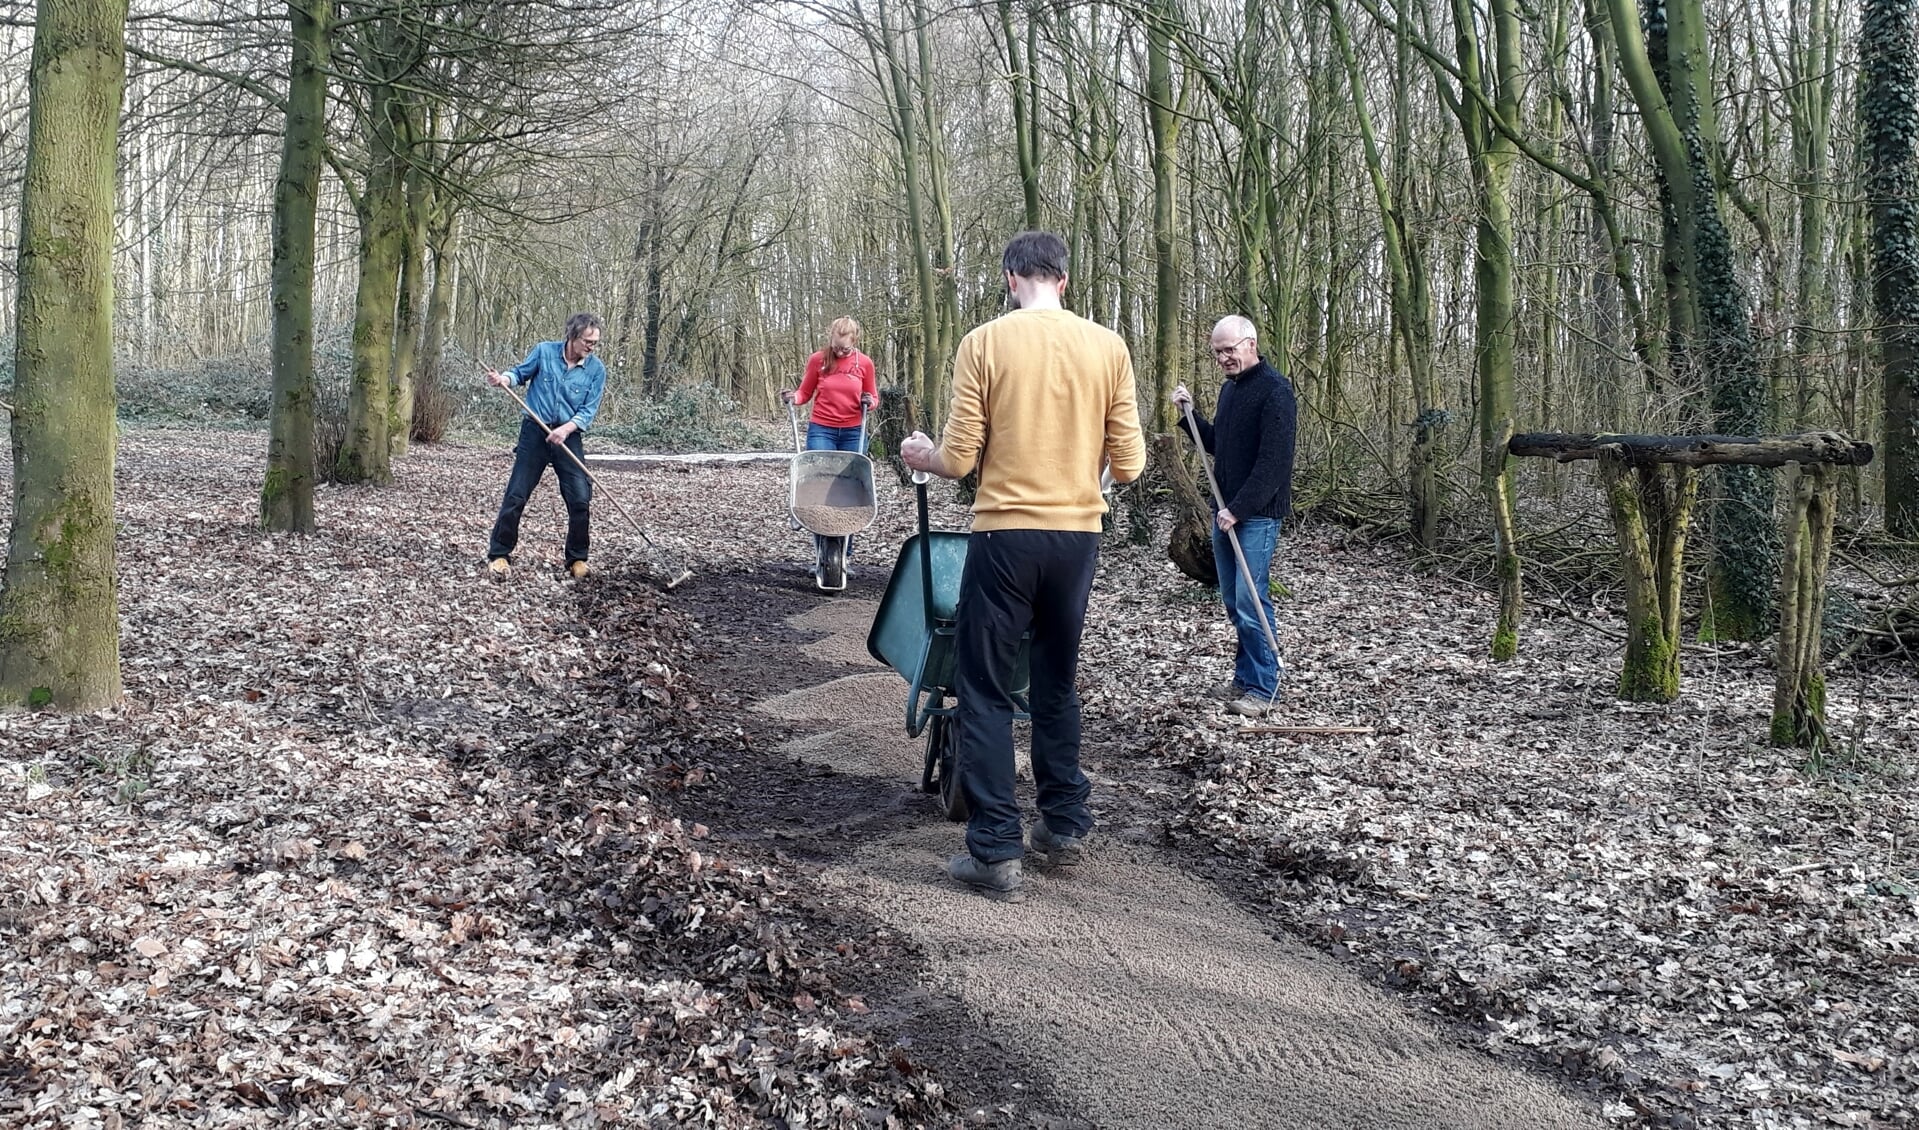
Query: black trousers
point(1016, 580)
point(530, 459)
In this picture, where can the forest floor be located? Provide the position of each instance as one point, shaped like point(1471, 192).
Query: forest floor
point(374, 841)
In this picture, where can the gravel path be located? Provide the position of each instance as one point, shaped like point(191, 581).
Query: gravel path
point(1154, 1001)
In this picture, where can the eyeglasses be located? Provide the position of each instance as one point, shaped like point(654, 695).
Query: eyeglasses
point(1229, 350)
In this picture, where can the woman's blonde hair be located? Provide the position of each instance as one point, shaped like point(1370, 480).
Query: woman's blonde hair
point(845, 326)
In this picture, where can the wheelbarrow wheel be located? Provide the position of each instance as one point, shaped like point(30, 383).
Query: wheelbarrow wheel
point(832, 566)
point(942, 766)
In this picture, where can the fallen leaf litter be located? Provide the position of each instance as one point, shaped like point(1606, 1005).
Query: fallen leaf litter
point(379, 841)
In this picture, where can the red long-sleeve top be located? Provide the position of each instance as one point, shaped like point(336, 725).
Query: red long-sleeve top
point(838, 382)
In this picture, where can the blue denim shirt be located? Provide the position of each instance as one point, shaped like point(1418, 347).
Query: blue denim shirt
point(559, 393)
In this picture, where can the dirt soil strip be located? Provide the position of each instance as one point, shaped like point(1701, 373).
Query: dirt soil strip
point(1151, 999)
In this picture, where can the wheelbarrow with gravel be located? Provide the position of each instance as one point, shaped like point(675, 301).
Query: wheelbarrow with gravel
point(913, 634)
point(831, 496)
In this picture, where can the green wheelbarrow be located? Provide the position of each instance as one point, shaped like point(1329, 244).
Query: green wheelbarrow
point(913, 634)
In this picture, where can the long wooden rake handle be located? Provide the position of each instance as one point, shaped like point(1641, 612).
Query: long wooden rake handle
point(581, 464)
point(1239, 555)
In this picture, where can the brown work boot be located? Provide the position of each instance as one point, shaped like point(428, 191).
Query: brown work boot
point(577, 570)
point(500, 567)
point(1251, 706)
point(1000, 880)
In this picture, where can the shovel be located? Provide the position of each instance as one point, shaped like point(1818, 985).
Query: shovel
point(671, 574)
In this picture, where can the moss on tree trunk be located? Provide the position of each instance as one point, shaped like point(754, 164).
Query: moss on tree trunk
point(59, 615)
point(1651, 508)
point(1799, 689)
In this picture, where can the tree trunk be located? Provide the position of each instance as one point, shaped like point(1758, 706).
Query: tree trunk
point(433, 406)
point(1492, 153)
point(1670, 76)
point(410, 318)
point(59, 613)
point(1495, 325)
point(653, 300)
point(945, 336)
point(905, 123)
point(1617, 401)
point(1889, 119)
point(1799, 689)
point(1550, 312)
point(1411, 315)
point(1128, 326)
point(1809, 94)
point(286, 498)
point(1025, 127)
point(1425, 482)
point(365, 456)
point(1163, 121)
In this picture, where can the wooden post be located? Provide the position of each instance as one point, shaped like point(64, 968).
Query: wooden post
point(1799, 689)
point(1651, 510)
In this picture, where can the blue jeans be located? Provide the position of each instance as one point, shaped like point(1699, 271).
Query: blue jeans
point(825, 437)
point(1255, 668)
point(530, 459)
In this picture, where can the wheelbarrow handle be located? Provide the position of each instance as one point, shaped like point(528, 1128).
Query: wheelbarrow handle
point(920, 479)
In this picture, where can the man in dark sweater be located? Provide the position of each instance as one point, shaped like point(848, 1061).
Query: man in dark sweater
point(1252, 447)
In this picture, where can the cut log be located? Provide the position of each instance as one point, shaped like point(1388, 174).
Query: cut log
point(1698, 451)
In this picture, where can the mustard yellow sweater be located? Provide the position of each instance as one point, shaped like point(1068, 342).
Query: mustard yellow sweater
point(1040, 399)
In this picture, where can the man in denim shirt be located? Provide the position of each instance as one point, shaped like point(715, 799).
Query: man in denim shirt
point(564, 383)
point(1251, 442)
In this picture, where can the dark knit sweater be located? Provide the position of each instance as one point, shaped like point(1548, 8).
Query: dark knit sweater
point(1252, 442)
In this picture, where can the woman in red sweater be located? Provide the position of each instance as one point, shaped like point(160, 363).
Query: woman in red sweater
point(841, 384)
point(842, 387)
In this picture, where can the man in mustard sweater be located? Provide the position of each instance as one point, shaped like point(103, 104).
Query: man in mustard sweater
point(1053, 393)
